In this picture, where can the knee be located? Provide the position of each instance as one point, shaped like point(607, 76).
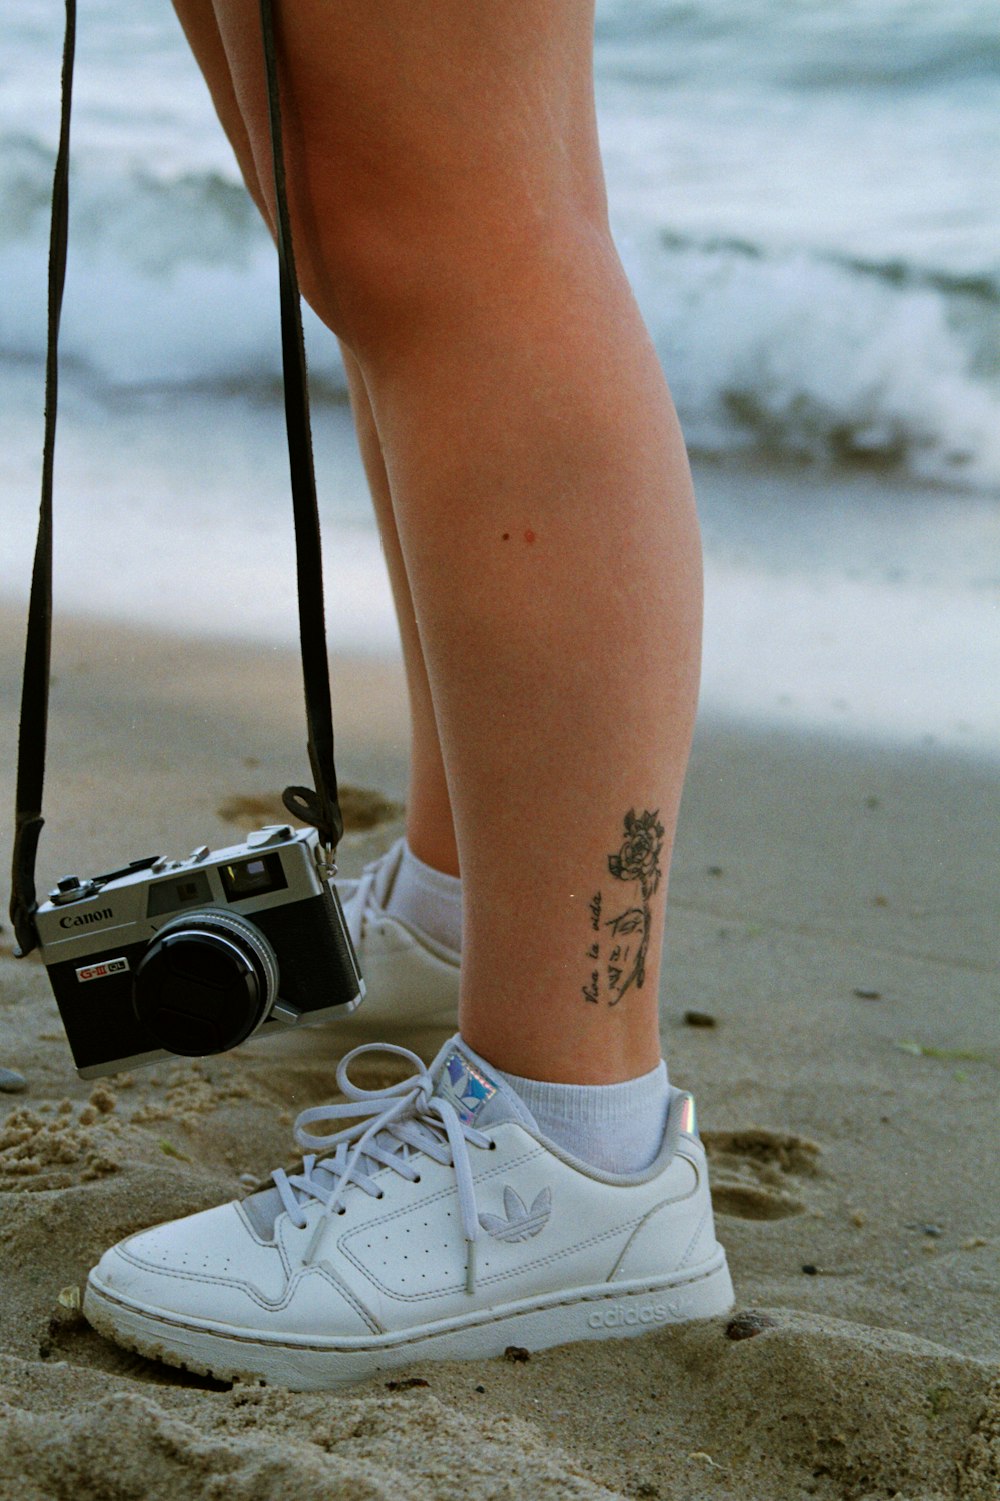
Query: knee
point(382, 273)
point(425, 165)
point(385, 263)
point(361, 271)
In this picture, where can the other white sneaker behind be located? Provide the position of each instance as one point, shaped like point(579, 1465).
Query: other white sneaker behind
point(445, 1228)
point(411, 980)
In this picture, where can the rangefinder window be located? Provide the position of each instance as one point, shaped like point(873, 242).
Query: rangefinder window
point(183, 891)
point(255, 877)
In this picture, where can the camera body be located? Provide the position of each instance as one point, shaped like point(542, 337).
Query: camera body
point(191, 957)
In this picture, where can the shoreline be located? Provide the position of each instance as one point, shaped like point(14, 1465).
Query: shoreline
point(851, 601)
point(832, 908)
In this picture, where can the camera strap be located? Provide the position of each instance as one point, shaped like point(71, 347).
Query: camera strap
point(321, 807)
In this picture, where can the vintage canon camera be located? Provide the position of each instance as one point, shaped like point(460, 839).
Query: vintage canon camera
point(194, 956)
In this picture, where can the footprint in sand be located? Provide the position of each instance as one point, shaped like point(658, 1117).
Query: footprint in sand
point(362, 807)
point(755, 1172)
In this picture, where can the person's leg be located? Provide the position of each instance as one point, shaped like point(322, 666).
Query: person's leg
point(430, 830)
point(448, 202)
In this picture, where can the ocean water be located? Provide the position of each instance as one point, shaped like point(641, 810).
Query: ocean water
point(806, 197)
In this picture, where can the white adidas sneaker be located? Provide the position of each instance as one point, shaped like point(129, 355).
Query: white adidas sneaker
point(446, 1228)
point(411, 982)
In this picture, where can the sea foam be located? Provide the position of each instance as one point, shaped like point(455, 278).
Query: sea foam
point(797, 196)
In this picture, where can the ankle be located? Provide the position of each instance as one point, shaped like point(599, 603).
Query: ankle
point(617, 1128)
point(434, 847)
point(554, 1045)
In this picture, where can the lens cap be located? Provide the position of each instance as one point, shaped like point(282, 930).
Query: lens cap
point(204, 986)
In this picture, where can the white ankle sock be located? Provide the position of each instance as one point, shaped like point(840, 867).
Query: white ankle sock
point(616, 1127)
point(427, 899)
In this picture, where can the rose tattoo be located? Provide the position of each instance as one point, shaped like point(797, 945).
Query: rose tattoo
point(638, 861)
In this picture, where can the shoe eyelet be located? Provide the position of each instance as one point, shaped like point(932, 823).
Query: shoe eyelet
point(380, 1195)
point(416, 1179)
point(341, 1211)
point(492, 1147)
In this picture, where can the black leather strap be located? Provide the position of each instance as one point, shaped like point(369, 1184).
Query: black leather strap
point(320, 808)
point(33, 731)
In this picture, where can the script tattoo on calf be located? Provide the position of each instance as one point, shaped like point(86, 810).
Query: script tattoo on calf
point(619, 944)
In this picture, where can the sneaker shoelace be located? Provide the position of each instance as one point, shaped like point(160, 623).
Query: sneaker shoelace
point(409, 1120)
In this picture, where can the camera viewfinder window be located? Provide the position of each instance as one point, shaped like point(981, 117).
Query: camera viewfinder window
point(188, 890)
point(255, 877)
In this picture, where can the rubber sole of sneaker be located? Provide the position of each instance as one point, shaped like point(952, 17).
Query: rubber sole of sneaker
point(606, 1311)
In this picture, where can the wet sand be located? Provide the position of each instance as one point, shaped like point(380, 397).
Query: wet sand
point(833, 912)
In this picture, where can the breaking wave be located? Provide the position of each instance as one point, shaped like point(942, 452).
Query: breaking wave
point(793, 353)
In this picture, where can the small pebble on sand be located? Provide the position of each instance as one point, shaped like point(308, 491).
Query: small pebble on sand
point(11, 1082)
point(746, 1325)
point(700, 1019)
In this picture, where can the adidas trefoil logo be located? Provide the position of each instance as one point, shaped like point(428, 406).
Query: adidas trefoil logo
point(521, 1223)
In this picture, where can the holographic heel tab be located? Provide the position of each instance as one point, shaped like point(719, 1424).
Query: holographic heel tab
point(688, 1115)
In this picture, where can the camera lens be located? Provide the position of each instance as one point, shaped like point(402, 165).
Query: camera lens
point(206, 982)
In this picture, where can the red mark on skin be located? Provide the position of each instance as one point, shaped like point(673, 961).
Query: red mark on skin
point(506, 537)
point(529, 536)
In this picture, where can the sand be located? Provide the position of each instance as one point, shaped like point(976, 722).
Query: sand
point(834, 914)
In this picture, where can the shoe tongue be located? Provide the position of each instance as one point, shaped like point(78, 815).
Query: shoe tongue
point(478, 1092)
point(262, 1209)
